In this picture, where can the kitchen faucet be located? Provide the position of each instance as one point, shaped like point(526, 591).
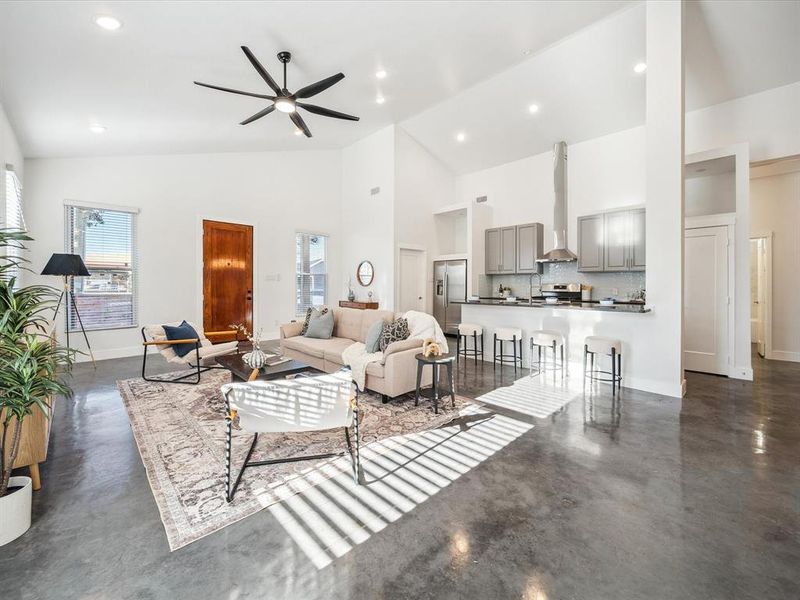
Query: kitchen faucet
point(530, 286)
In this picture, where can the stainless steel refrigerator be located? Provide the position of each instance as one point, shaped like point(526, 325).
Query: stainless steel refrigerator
point(449, 285)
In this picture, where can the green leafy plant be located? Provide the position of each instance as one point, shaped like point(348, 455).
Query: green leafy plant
point(32, 364)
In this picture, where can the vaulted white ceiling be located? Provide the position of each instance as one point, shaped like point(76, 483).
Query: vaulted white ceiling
point(60, 72)
point(471, 67)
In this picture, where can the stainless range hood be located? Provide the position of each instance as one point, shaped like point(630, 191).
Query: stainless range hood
point(560, 252)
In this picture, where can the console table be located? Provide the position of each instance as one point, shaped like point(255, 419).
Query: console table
point(361, 305)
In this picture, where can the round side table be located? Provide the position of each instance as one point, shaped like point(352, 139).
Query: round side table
point(435, 362)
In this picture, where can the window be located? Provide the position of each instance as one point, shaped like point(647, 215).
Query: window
point(311, 252)
point(13, 218)
point(106, 239)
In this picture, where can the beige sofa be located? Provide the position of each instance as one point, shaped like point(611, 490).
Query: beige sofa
point(396, 374)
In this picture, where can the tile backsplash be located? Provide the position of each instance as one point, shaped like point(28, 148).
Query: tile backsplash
point(620, 285)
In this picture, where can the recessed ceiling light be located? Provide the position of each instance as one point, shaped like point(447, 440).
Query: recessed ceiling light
point(380, 99)
point(380, 74)
point(640, 67)
point(97, 128)
point(108, 23)
point(533, 108)
point(461, 136)
point(298, 131)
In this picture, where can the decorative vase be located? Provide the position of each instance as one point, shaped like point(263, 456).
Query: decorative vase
point(351, 295)
point(255, 359)
point(15, 510)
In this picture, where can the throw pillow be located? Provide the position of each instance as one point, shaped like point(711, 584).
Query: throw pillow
point(312, 312)
point(395, 331)
point(320, 327)
point(184, 331)
point(372, 342)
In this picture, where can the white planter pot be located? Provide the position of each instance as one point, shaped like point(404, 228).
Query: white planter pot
point(15, 510)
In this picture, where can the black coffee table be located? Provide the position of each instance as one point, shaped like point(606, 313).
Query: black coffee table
point(436, 394)
point(235, 364)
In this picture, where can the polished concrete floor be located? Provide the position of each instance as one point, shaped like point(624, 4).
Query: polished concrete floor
point(692, 498)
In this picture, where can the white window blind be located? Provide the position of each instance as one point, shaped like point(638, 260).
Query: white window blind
point(106, 239)
point(14, 218)
point(311, 252)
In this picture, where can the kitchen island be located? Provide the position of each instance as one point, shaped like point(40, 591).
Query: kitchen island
point(575, 320)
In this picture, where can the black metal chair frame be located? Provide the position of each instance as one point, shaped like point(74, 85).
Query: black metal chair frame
point(614, 375)
point(230, 416)
point(541, 366)
point(513, 357)
point(465, 351)
point(196, 369)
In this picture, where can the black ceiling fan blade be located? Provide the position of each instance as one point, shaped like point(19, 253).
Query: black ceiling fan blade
point(298, 121)
point(326, 112)
point(224, 89)
point(261, 70)
point(320, 86)
point(258, 115)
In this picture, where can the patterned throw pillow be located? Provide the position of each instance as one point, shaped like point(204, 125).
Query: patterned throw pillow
point(394, 332)
point(312, 312)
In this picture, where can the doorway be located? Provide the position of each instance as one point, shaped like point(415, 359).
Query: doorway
point(706, 299)
point(227, 278)
point(411, 285)
point(760, 293)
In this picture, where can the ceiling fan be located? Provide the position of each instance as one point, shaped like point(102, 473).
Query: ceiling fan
point(283, 100)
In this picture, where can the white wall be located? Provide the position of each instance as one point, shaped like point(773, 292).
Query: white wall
point(367, 221)
point(10, 154)
point(711, 195)
point(277, 192)
point(775, 207)
point(422, 184)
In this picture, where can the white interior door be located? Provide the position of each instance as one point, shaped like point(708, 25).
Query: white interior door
point(756, 304)
point(705, 299)
point(412, 280)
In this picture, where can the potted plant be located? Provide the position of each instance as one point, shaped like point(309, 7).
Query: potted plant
point(32, 367)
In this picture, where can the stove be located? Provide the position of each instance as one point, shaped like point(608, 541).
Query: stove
point(565, 292)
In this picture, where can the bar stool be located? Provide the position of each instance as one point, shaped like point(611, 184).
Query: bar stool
point(467, 331)
point(542, 340)
point(508, 334)
point(596, 344)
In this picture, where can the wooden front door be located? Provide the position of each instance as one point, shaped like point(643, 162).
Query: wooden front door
point(227, 278)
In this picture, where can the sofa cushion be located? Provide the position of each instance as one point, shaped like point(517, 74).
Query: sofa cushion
point(320, 326)
point(310, 314)
point(333, 351)
point(312, 346)
point(372, 341)
point(348, 323)
point(394, 331)
point(184, 331)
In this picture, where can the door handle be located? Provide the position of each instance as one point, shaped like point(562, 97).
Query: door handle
point(446, 292)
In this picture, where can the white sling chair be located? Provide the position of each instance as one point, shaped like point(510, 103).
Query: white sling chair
point(292, 405)
point(203, 354)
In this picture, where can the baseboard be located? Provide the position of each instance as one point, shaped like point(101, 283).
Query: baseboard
point(108, 354)
point(785, 355)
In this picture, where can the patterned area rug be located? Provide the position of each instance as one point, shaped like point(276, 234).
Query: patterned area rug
point(180, 432)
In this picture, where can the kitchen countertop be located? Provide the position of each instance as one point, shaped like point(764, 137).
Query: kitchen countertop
point(634, 308)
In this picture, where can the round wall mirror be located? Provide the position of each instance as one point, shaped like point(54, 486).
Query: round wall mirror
point(365, 273)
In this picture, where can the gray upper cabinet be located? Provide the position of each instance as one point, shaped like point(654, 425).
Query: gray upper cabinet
point(590, 243)
point(508, 248)
point(637, 260)
point(617, 241)
point(613, 241)
point(493, 245)
point(529, 247)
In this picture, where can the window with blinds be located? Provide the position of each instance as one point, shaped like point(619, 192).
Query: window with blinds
point(106, 239)
point(311, 252)
point(13, 216)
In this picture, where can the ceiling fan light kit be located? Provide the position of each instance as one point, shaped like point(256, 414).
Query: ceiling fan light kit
point(283, 100)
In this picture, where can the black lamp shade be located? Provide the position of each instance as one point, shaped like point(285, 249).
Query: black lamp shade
point(66, 264)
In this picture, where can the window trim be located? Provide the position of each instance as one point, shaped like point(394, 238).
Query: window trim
point(70, 204)
point(327, 265)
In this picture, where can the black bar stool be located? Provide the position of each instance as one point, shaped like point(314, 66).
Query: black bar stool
point(467, 331)
point(508, 334)
point(596, 344)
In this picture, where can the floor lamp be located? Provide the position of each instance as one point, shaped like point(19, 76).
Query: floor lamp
point(66, 266)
